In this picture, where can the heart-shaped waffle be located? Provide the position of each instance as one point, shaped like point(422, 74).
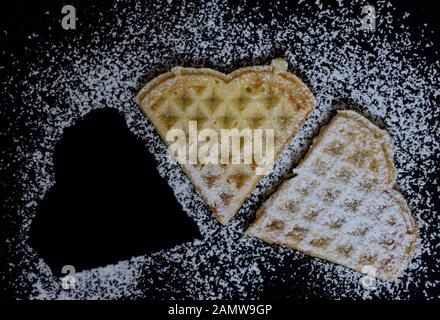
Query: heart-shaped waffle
point(342, 204)
point(262, 97)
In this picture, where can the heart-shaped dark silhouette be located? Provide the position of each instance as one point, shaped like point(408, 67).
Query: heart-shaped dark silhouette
point(109, 202)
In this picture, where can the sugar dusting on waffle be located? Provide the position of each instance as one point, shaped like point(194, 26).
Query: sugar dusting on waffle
point(376, 72)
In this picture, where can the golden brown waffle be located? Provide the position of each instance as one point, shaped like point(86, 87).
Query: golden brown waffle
point(342, 205)
point(266, 97)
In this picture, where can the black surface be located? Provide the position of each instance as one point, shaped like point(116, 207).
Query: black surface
point(109, 202)
point(89, 152)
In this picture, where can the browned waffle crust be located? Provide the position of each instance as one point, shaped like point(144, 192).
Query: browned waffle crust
point(342, 205)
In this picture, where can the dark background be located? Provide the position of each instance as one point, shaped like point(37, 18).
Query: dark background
point(85, 161)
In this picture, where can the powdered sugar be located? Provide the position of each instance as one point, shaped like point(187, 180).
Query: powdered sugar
point(376, 72)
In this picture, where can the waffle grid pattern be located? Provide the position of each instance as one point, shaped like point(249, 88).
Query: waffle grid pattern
point(341, 205)
point(249, 98)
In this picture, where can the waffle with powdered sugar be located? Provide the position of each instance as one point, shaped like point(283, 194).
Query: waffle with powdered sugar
point(342, 204)
point(261, 97)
